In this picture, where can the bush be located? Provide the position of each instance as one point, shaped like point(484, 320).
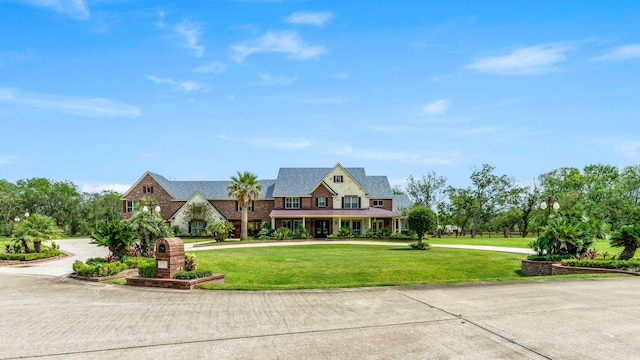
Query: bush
point(554, 257)
point(420, 245)
point(282, 233)
point(147, 270)
point(190, 262)
point(136, 262)
point(30, 256)
point(189, 275)
point(98, 270)
point(605, 264)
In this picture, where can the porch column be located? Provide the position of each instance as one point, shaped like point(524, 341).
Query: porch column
point(304, 222)
point(369, 227)
point(273, 223)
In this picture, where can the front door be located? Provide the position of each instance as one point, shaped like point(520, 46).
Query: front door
point(322, 228)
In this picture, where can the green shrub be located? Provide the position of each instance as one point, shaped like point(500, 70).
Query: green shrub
point(135, 262)
point(401, 236)
point(190, 262)
point(189, 275)
point(98, 270)
point(147, 270)
point(420, 245)
point(605, 264)
point(30, 256)
point(554, 257)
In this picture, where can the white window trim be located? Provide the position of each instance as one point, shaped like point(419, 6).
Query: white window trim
point(292, 203)
point(324, 202)
point(352, 205)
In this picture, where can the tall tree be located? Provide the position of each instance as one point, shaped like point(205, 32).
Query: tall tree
point(427, 192)
point(490, 194)
point(244, 187)
point(58, 199)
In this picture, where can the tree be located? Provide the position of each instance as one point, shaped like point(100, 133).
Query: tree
point(37, 228)
point(118, 236)
point(219, 229)
point(627, 237)
point(244, 187)
point(460, 207)
point(528, 204)
point(490, 193)
point(104, 206)
point(421, 219)
point(427, 192)
point(150, 226)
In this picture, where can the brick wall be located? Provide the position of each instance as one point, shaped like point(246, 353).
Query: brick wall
point(168, 208)
point(229, 209)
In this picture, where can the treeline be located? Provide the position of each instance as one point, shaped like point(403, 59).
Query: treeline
point(76, 213)
point(605, 194)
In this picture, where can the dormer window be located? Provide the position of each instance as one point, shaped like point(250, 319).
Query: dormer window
point(337, 178)
point(378, 202)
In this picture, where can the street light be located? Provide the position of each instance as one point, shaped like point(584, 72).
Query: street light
point(548, 204)
point(156, 209)
point(26, 214)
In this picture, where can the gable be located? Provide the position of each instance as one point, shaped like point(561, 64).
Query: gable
point(182, 214)
point(343, 183)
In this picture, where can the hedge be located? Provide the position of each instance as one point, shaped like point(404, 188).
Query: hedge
point(31, 256)
point(604, 264)
point(188, 275)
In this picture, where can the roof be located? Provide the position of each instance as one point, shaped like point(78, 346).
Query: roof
point(302, 182)
point(184, 190)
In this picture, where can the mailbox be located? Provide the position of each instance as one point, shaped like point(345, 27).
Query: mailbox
point(169, 257)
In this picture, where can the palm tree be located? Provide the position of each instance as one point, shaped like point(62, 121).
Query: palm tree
point(244, 187)
point(117, 235)
point(149, 226)
point(37, 228)
point(627, 237)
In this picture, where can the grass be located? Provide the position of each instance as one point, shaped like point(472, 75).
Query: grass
point(343, 266)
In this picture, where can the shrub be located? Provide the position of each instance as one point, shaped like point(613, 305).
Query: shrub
point(188, 275)
point(605, 264)
point(30, 256)
point(147, 270)
point(554, 257)
point(190, 262)
point(135, 262)
point(421, 219)
point(300, 233)
point(401, 236)
point(282, 233)
point(420, 245)
point(219, 230)
point(98, 270)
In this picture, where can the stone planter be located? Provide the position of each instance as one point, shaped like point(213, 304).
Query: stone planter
point(537, 268)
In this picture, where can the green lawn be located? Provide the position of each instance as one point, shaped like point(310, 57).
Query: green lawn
point(342, 266)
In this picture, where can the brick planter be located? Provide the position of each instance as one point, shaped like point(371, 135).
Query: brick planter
point(174, 283)
point(537, 268)
point(559, 269)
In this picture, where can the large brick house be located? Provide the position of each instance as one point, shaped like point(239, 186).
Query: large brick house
point(320, 199)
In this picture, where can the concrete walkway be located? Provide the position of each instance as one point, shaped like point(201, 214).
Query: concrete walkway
point(198, 246)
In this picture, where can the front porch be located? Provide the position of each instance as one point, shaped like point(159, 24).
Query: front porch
point(321, 223)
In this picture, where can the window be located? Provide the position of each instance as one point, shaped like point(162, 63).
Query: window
point(197, 227)
point(287, 224)
point(378, 202)
point(297, 224)
point(292, 203)
point(344, 223)
point(129, 206)
point(377, 224)
point(337, 178)
point(240, 207)
point(147, 189)
point(351, 202)
point(321, 202)
point(356, 225)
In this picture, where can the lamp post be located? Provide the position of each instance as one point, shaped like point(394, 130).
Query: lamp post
point(148, 208)
point(548, 204)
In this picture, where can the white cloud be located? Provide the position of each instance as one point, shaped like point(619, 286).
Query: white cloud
point(215, 67)
point(329, 100)
point(187, 86)
point(317, 18)
point(76, 9)
point(93, 107)
point(287, 42)
point(530, 60)
point(270, 80)
point(96, 188)
point(625, 146)
point(621, 53)
point(271, 142)
point(437, 107)
point(191, 33)
point(7, 159)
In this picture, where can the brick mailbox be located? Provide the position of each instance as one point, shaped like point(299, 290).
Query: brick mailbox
point(169, 257)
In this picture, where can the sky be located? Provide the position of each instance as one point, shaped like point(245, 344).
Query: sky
point(98, 92)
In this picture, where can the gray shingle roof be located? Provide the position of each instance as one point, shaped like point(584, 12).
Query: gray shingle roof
point(184, 190)
point(302, 181)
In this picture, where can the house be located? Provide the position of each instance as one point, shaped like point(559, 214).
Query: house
point(320, 199)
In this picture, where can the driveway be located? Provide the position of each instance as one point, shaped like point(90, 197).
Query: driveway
point(59, 318)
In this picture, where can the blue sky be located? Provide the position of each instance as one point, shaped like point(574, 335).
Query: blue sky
point(99, 91)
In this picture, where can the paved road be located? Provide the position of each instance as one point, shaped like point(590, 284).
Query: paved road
point(48, 317)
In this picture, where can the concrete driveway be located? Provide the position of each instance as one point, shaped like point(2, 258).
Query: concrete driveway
point(53, 317)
